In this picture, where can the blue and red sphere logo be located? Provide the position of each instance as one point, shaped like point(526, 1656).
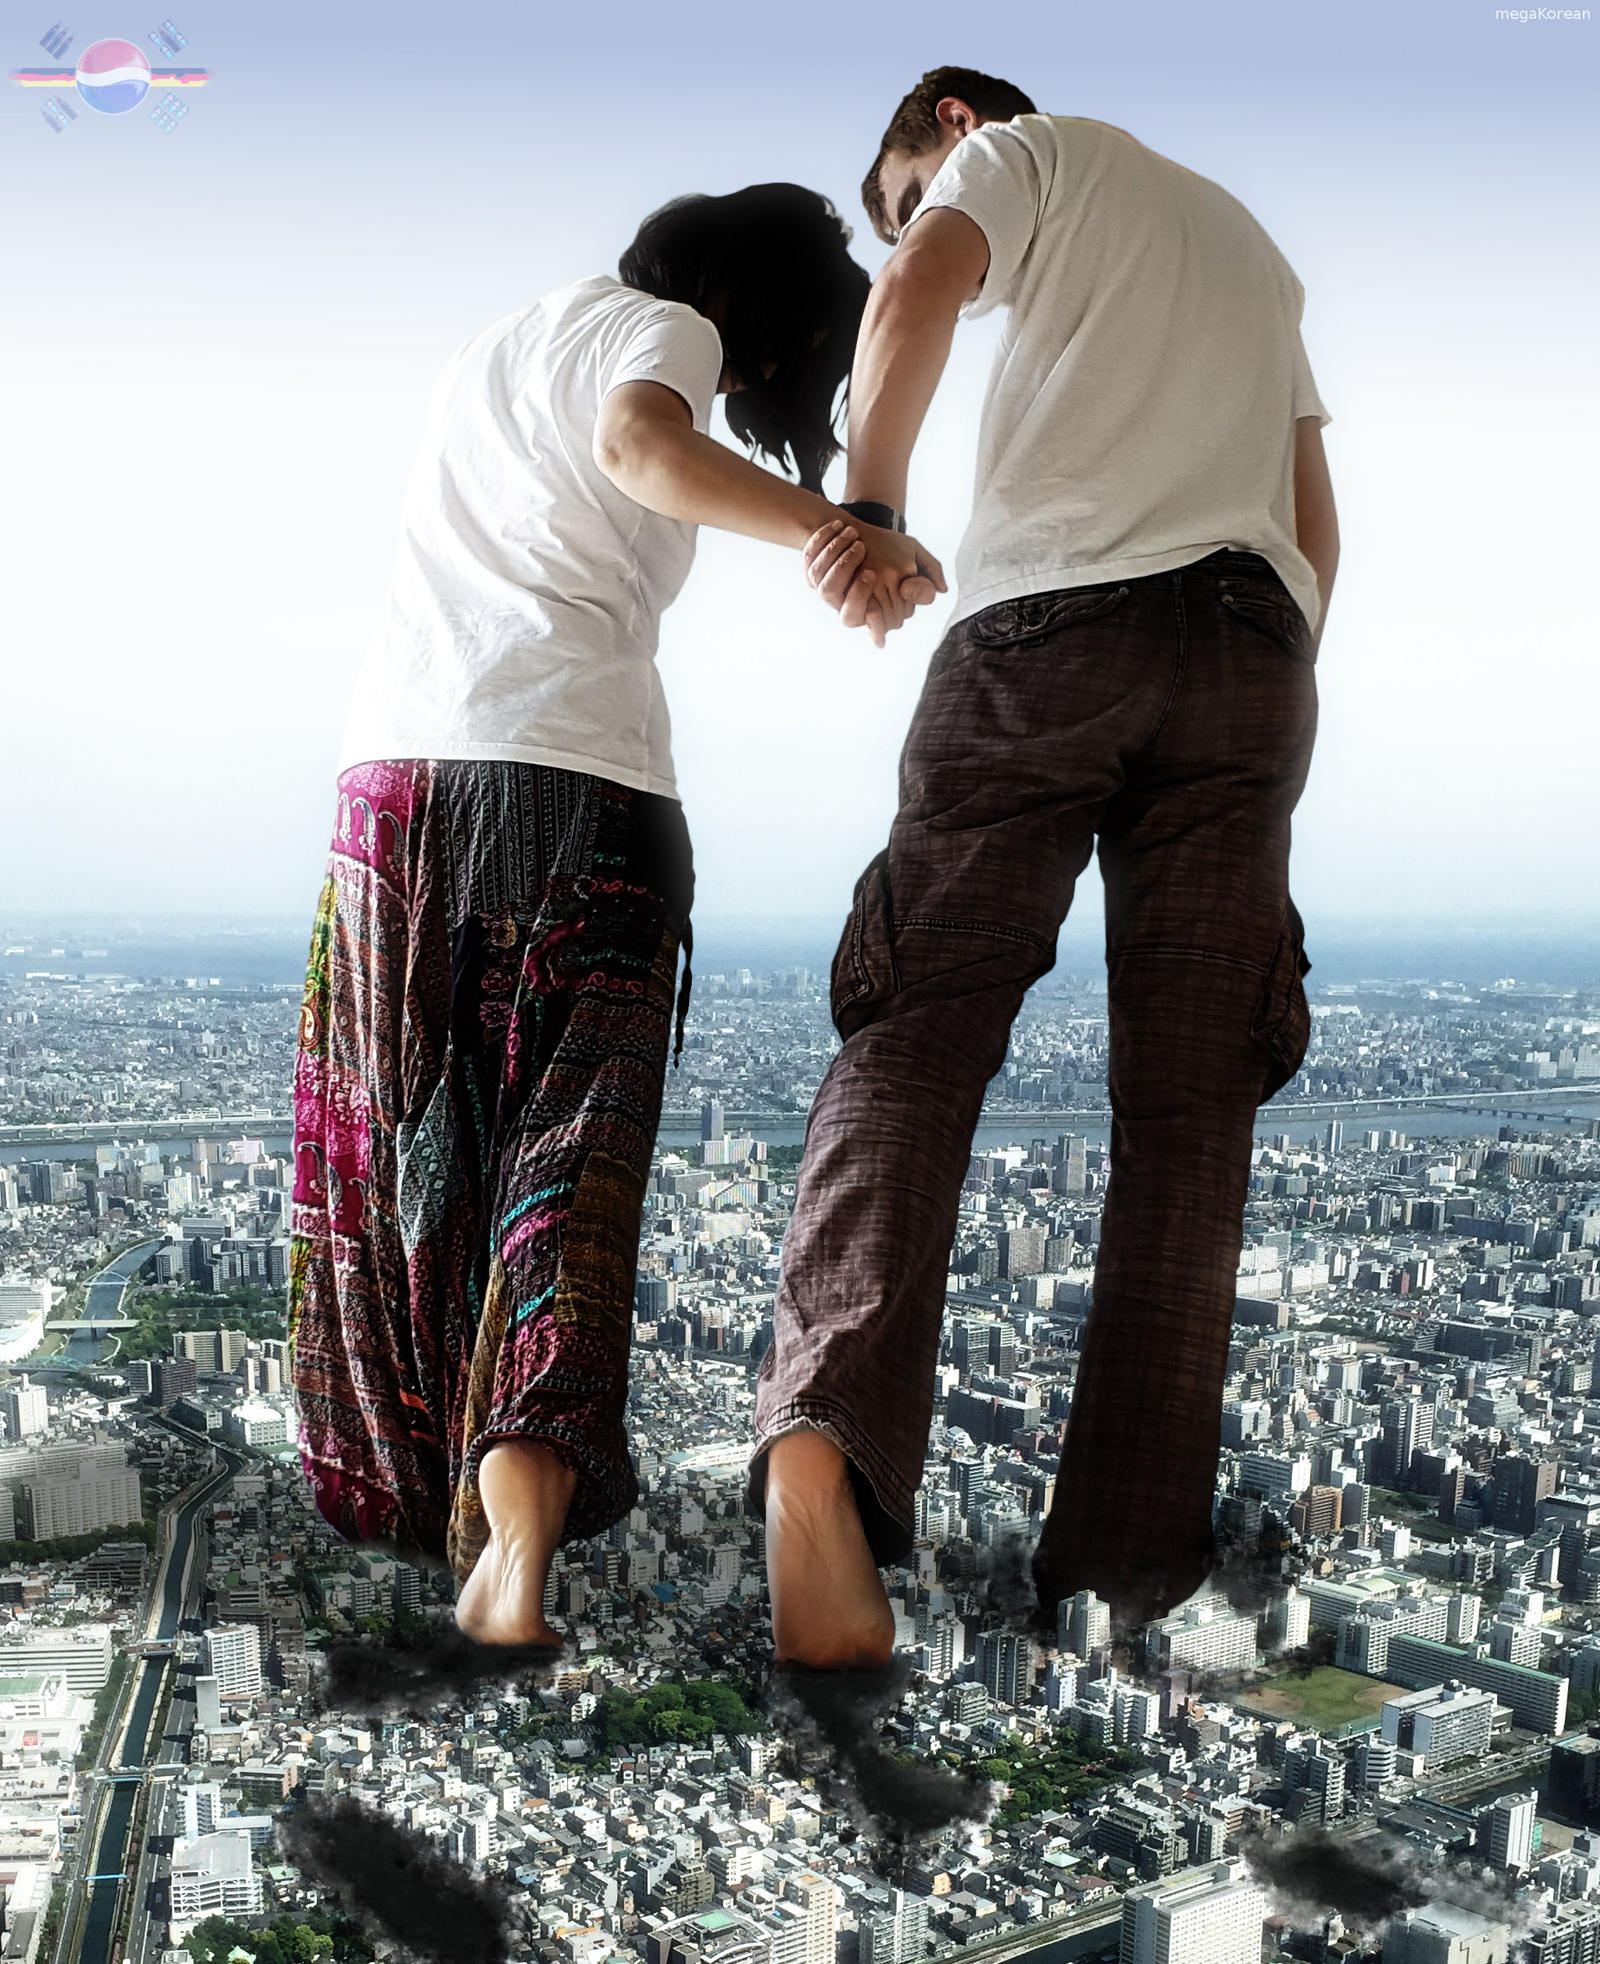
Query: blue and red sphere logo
point(113, 77)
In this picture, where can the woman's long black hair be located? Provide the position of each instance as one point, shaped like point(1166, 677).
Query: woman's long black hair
point(770, 263)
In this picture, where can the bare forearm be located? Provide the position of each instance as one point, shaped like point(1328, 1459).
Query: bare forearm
point(901, 355)
point(1316, 519)
point(684, 475)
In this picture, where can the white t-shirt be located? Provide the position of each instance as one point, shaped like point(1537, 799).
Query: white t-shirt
point(1142, 406)
point(527, 592)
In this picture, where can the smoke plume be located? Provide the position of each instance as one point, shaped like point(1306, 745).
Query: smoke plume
point(397, 1883)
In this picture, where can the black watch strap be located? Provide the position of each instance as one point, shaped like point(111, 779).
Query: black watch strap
point(870, 512)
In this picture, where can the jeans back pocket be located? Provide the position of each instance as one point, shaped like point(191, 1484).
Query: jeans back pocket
point(1034, 615)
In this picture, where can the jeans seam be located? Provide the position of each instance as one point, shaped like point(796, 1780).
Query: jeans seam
point(1020, 935)
point(1180, 667)
point(1173, 952)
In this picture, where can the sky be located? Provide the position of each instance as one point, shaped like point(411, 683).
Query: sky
point(218, 342)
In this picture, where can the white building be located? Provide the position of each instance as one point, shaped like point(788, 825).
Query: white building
point(23, 1309)
point(25, 1408)
point(1213, 1915)
point(1507, 1829)
point(66, 1490)
point(233, 1654)
point(253, 1424)
point(1445, 1723)
point(212, 1875)
point(202, 1808)
point(1202, 1636)
point(1443, 1934)
point(1289, 1622)
point(893, 1932)
point(81, 1655)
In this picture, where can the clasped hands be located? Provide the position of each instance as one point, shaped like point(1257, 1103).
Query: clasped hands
point(872, 578)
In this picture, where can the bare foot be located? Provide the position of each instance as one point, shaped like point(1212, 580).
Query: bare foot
point(829, 1609)
point(525, 1492)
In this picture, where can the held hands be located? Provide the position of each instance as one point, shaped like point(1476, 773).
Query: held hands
point(872, 578)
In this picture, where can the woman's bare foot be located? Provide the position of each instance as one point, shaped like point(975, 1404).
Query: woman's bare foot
point(829, 1609)
point(525, 1492)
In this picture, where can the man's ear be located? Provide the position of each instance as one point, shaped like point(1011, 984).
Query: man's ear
point(954, 114)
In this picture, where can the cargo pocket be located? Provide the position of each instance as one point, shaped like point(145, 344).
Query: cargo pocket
point(1282, 1028)
point(864, 973)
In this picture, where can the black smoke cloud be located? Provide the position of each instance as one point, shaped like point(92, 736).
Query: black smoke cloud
point(415, 1672)
point(397, 1883)
point(1312, 1874)
point(829, 1717)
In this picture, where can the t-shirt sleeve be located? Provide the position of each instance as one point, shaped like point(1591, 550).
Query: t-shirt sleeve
point(672, 345)
point(997, 178)
point(1307, 402)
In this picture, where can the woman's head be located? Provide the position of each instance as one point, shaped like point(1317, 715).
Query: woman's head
point(769, 265)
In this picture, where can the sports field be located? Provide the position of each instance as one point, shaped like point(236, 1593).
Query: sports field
point(1328, 1697)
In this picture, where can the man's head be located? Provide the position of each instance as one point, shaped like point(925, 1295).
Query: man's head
point(946, 105)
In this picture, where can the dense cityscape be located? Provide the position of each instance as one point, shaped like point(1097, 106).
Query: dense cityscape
point(1409, 1454)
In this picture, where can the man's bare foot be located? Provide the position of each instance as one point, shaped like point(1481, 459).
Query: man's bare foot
point(525, 1492)
point(829, 1609)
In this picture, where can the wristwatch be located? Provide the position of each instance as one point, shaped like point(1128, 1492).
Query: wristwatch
point(870, 512)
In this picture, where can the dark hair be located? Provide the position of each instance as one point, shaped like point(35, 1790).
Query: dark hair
point(914, 128)
point(770, 264)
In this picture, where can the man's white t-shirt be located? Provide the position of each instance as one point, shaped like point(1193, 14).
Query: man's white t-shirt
point(1142, 406)
point(526, 599)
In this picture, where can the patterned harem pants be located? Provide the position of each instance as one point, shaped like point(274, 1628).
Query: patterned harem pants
point(488, 1010)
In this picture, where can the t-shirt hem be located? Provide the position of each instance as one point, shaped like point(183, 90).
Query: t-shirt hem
point(973, 600)
point(512, 753)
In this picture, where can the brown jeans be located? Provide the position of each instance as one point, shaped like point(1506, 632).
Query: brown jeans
point(1171, 720)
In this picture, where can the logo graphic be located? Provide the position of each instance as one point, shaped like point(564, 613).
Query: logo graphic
point(113, 76)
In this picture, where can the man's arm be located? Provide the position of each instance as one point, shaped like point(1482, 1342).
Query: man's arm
point(904, 344)
point(1316, 523)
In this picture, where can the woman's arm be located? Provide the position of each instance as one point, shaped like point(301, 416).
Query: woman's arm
point(646, 443)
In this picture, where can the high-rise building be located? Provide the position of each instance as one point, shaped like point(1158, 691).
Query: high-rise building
point(1289, 1620)
point(1519, 1485)
point(202, 1807)
point(1006, 1666)
point(1213, 1915)
point(25, 1408)
point(233, 1655)
point(711, 1124)
point(1505, 1830)
point(212, 1875)
point(818, 1939)
point(1083, 1623)
point(1021, 1251)
point(1069, 1173)
point(894, 1932)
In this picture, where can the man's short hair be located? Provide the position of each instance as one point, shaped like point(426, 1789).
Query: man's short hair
point(914, 126)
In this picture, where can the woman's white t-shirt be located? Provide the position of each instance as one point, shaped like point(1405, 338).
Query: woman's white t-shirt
point(527, 593)
point(1142, 405)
